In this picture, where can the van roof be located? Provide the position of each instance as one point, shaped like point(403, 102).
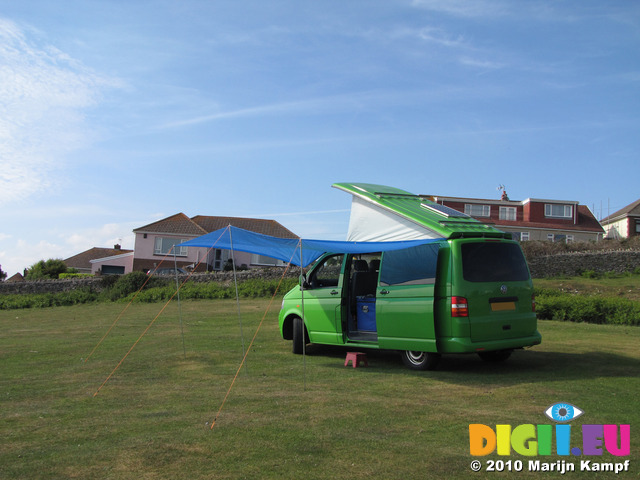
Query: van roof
point(443, 221)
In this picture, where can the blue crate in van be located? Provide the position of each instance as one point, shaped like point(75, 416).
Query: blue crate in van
point(366, 314)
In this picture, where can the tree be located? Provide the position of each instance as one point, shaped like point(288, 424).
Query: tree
point(49, 269)
point(3, 275)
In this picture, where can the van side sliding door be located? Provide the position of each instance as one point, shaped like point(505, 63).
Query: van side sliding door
point(404, 300)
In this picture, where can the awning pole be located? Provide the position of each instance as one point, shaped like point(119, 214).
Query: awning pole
point(235, 282)
point(304, 328)
point(175, 266)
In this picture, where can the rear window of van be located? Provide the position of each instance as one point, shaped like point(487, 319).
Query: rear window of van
point(493, 262)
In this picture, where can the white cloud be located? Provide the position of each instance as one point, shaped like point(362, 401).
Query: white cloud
point(465, 8)
point(19, 253)
point(484, 64)
point(43, 95)
point(440, 37)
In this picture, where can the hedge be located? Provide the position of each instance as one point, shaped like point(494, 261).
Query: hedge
point(575, 308)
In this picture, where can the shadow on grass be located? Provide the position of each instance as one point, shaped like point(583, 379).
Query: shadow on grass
point(524, 366)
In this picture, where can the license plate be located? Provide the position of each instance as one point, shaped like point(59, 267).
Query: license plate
point(503, 306)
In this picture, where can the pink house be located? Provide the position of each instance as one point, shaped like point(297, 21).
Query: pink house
point(155, 243)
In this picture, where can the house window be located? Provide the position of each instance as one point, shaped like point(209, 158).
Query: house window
point(554, 210)
point(164, 246)
point(477, 210)
point(266, 261)
point(508, 213)
point(550, 237)
point(637, 227)
point(559, 238)
point(570, 239)
point(524, 236)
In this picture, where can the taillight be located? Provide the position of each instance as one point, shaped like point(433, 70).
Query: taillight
point(459, 307)
point(533, 302)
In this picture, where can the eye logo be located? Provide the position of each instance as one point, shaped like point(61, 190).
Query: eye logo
point(563, 412)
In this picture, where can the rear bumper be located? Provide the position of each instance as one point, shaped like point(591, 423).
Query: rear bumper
point(465, 345)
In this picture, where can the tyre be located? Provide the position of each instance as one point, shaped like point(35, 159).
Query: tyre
point(420, 360)
point(300, 337)
point(495, 356)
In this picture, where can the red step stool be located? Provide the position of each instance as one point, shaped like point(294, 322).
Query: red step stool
point(356, 358)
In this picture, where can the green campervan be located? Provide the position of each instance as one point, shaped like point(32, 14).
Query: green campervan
point(468, 290)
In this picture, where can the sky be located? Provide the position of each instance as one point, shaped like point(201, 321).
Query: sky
point(118, 113)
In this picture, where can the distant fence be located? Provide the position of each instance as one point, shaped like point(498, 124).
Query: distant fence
point(569, 264)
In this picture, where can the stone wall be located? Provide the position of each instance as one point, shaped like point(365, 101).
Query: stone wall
point(96, 283)
point(572, 264)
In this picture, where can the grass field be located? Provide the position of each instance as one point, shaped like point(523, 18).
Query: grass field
point(286, 417)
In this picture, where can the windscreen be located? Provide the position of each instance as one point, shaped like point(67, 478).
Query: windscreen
point(493, 262)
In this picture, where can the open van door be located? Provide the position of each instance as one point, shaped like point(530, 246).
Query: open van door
point(323, 301)
point(405, 299)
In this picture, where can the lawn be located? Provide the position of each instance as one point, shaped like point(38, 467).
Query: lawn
point(286, 416)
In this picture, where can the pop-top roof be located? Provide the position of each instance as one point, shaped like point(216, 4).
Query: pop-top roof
point(435, 219)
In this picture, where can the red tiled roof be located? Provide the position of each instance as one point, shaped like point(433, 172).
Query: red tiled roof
point(258, 225)
point(199, 225)
point(179, 224)
point(15, 278)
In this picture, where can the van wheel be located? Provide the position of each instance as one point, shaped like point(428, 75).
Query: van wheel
point(300, 337)
point(495, 356)
point(420, 360)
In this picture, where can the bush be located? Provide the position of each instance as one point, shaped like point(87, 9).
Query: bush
point(75, 275)
point(573, 308)
point(131, 283)
point(41, 300)
point(46, 270)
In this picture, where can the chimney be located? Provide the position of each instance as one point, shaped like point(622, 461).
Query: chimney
point(117, 246)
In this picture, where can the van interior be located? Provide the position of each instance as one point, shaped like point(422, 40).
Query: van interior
point(363, 271)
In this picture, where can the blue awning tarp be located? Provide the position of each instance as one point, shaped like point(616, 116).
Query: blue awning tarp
point(288, 249)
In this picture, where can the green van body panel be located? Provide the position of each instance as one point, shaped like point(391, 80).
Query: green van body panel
point(416, 315)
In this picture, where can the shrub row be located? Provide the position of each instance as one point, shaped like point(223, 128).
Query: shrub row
point(554, 305)
point(41, 300)
point(253, 288)
point(141, 288)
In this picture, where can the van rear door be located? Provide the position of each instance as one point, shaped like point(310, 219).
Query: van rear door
point(498, 287)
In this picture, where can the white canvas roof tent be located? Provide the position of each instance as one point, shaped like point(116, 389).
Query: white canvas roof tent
point(381, 213)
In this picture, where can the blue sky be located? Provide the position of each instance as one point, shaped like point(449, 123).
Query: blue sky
point(114, 114)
